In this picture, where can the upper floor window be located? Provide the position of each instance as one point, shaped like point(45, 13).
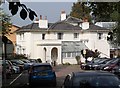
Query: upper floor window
point(76, 35)
point(60, 35)
point(21, 36)
point(43, 36)
point(100, 36)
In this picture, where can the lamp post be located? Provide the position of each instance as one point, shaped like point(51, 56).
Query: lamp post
point(4, 40)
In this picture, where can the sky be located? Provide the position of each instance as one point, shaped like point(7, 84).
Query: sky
point(50, 9)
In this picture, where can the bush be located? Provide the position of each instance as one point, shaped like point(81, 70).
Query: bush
point(77, 59)
point(67, 63)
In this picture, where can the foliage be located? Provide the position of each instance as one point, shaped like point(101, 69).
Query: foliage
point(81, 11)
point(14, 7)
point(67, 63)
point(5, 27)
point(104, 11)
point(90, 53)
point(114, 35)
point(17, 56)
point(77, 59)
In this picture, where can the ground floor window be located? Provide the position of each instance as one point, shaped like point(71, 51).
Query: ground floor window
point(70, 54)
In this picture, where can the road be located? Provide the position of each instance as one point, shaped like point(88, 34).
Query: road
point(21, 80)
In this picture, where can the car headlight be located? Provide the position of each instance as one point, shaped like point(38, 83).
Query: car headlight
point(95, 65)
point(106, 68)
point(90, 65)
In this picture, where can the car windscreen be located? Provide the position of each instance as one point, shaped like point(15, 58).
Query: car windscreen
point(96, 81)
point(42, 67)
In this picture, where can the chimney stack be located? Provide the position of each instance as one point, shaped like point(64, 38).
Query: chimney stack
point(63, 15)
point(43, 23)
point(85, 24)
point(36, 20)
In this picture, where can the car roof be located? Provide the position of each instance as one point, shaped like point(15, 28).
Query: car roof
point(40, 64)
point(92, 73)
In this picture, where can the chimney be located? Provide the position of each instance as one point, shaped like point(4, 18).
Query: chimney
point(40, 17)
point(45, 17)
point(36, 20)
point(43, 23)
point(63, 15)
point(85, 24)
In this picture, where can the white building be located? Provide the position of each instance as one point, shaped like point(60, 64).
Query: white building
point(61, 41)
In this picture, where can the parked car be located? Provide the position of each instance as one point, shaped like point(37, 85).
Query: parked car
point(6, 69)
point(91, 79)
point(111, 65)
point(33, 60)
point(88, 65)
point(18, 63)
point(97, 65)
point(42, 74)
point(116, 70)
point(27, 63)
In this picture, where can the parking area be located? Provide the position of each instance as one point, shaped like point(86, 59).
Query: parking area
point(20, 80)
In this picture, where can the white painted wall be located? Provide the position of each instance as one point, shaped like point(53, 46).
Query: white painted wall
point(34, 44)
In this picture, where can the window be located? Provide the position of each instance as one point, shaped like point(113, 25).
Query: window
point(64, 55)
point(100, 36)
point(43, 36)
point(23, 36)
point(68, 54)
point(20, 37)
point(76, 35)
point(60, 35)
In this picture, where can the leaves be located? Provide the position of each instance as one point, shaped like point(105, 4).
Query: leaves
point(32, 14)
point(11, 4)
point(80, 10)
point(15, 10)
point(14, 7)
point(23, 14)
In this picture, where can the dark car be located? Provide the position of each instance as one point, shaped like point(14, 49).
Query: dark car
point(88, 65)
point(27, 63)
point(112, 64)
point(42, 74)
point(18, 63)
point(97, 65)
point(116, 70)
point(6, 69)
point(91, 79)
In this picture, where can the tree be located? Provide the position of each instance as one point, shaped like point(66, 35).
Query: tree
point(81, 11)
point(14, 6)
point(78, 59)
point(114, 34)
point(90, 53)
point(5, 23)
point(104, 11)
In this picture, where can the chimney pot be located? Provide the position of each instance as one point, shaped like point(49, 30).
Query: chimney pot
point(62, 11)
point(41, 17)
point(45, 17)
point(37, 19)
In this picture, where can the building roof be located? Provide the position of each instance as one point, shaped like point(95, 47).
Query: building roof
point(73, 20)
point(95, 27)
point(70, 46)
point(108, 25)
point(66, 25)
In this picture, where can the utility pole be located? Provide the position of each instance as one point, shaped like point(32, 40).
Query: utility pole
point(4, 40)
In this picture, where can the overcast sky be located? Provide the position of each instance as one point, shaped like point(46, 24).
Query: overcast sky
point(50, 9)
